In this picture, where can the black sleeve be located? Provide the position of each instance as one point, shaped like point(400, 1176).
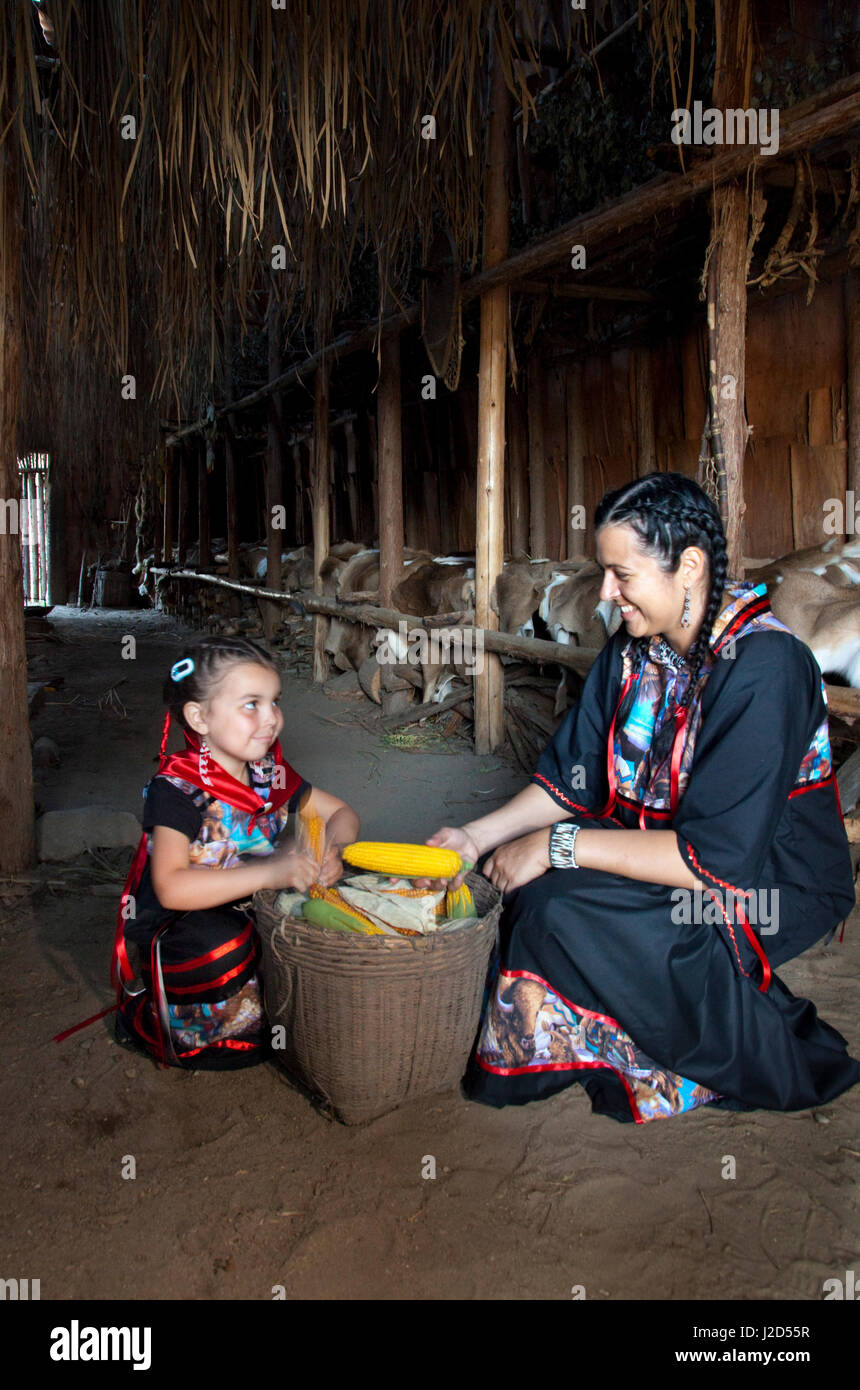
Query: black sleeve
point(572, 767)
point(167, 805)
point(756, 729)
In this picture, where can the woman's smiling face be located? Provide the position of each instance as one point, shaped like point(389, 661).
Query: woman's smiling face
point(650, 600)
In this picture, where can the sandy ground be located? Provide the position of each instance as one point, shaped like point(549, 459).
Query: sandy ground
point(242, 1184)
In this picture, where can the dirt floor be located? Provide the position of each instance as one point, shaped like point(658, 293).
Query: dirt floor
point(242, 1184)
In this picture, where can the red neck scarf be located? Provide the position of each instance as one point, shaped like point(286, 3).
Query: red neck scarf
point(195, 766)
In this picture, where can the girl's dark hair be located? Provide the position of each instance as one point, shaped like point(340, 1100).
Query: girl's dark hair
point(668, 512)
point(211, 657)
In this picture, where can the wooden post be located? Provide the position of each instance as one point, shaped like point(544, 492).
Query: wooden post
point(390, 434)
point(518, 489)
point(157, 509)
point(299, 493)
point(16, 769)
point(537, 462)
point(852, 353)
point(730, 224)
point(169, 508)
point(182, 507)
point(492, 374)
point(272, 616)
point(352, 480)
point(203, 530)
point(319, 493)
point(643, 411)
point(577, 511)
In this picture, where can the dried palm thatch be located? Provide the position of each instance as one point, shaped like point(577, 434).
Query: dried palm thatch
point(172, 145)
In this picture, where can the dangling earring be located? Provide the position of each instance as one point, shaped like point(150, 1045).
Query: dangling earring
point(203, 763)
point(685, 616)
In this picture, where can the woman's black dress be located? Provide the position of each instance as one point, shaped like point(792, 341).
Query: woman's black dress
point(657, 999)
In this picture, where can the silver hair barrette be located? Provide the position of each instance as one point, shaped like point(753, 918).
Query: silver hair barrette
point(180, 669)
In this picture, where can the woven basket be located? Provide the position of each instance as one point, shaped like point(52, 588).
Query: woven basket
point(372, 1021)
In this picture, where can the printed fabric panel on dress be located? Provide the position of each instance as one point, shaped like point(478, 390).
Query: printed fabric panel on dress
point(227, 833)
point(529, 1027)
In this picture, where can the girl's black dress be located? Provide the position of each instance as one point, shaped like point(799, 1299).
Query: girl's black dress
point(656, 999)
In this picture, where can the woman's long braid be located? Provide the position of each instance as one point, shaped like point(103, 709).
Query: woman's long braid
point(718, 566)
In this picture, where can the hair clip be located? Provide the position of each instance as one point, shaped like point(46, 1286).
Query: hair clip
point(180, 669)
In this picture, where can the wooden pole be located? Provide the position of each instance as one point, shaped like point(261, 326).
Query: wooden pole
point(352, 480)
point(577, 513)
point(319, 493)
point(182, 507)
point(727, 309)
point(852, 352)
point(492, 375)
point(157, 510)
point(204, 534)
point(271, 614)
point(169, 510)
point(537, 462)
point(643, 408)
point(390, 445)
point(518, 474)
point(16, 769)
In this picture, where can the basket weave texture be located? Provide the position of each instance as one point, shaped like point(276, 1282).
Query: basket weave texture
point(372, 1021)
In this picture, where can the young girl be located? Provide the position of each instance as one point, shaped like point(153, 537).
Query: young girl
point(211, 823)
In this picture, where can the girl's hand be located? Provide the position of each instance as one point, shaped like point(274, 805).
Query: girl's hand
point(451, 837)
point(332, 866)
point(515, 864)
point(288, 867)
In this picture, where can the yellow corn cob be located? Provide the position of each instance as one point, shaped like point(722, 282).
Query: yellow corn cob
point(404, 861)
point(331, 895)
point(460, 903)
point(313, 828)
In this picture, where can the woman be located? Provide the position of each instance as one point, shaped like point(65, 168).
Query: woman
point(680, 837)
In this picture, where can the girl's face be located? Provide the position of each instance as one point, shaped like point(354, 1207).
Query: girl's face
point(650, 600)
point(242, 716)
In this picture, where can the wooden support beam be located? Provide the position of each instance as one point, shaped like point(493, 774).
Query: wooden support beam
point(537, 461)
point(157, 509)
point(182, 507)
point(727, 297)
point(269, 612)
point(492, 376)
point(319, 493)
point(577, 534)
point(643, 411)
point(16, 769)
point(517, 473)
point(169, 506)
point(204, 534)
point(609, 292)
point(390, 435)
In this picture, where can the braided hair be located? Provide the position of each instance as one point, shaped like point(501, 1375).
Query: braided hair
point(668, 512)
point(210, 656)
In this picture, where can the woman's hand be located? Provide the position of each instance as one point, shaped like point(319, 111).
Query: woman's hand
point(288, 867)
point(450, 837)
point(519, 862)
